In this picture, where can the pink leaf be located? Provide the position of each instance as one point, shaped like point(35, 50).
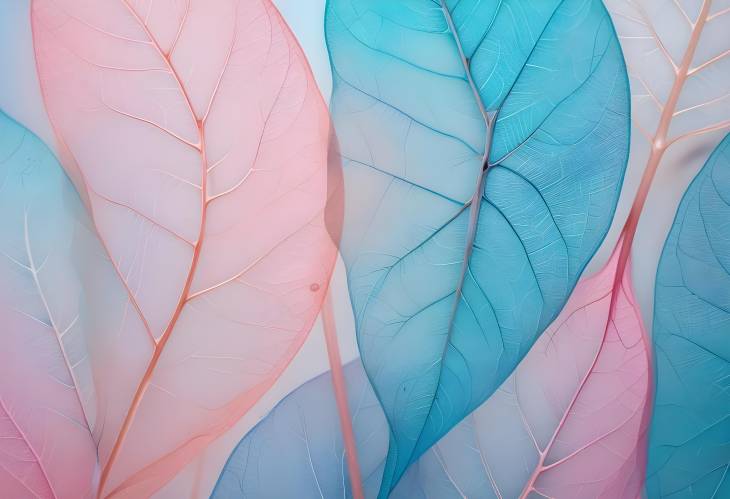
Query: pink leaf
point(571, 422)
point(46, 391)
point(198, 139)
point(20, 472)
point(583, 393)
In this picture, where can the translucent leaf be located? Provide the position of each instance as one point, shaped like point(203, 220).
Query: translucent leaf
point(46, 391)
point(453, 271)
point(689, 447)
point(297, 450)
point(198, 140)
point(677, 54)
point(571, 422)
point(678, 58)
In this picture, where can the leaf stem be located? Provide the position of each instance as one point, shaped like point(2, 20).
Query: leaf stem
point(340, 388)
point(162, 341)
point(659, 144)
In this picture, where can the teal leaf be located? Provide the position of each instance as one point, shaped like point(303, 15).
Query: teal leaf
point(689, 443)
point(484, 145)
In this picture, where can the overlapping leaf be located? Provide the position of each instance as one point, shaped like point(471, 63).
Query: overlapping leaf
point(46, 387)
point(454, 271)
point(689, 452)
point(298, 451)
point(198, 139)
point(679, 59)
point(572, 419)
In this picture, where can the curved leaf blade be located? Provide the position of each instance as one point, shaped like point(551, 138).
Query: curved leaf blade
point(454, 272)
point(689, 453)
point(571, 421)
point(46, 387)
point(678, 62)
point(198, 139)
point(300, 439)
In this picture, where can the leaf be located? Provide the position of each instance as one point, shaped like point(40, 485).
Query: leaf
point(678, 59)
point(679, 92)
point(198, 139)
point(571, 421)
point(454, 271)
point(46, 446)
point(683, 98)
point(300, 439)
point(689, 449)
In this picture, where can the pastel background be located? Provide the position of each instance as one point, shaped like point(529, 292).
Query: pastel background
point(20, 98)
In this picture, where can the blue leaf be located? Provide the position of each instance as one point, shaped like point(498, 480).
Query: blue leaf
point(297, 450)
point(689, 444)
point(300, 440)
point(454, 272)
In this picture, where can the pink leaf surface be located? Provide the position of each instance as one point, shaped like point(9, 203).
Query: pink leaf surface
point(46, 447)
point(571, 422)
point(20, 472)
point(46, 450)
point(584, 393)
point(198, 139)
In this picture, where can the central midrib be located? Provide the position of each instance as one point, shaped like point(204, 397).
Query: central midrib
point(481, 179)
point(475, 202)
point(161, 343)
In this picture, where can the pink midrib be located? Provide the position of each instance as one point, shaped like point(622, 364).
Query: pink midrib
point(184, 295)
point(659, 146)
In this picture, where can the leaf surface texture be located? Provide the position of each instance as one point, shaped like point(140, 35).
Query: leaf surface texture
point(453, 271)
point(689, 448)
point(47, 400)
point(198, 139)
point(300, 439)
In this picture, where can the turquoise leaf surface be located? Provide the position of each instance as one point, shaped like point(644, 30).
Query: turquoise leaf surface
point(484, 145)
point(689, 443)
